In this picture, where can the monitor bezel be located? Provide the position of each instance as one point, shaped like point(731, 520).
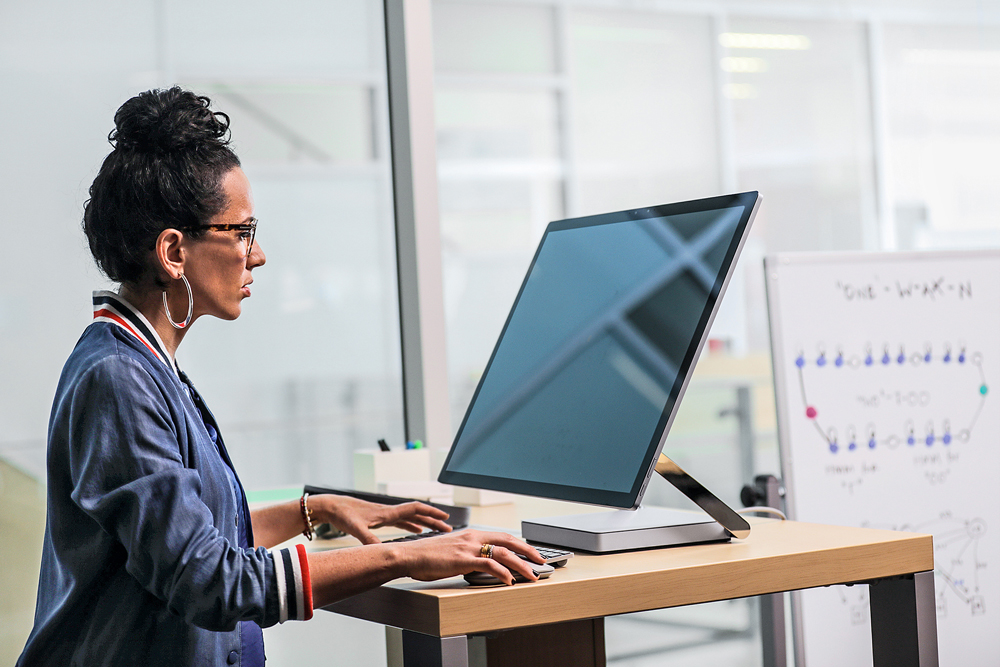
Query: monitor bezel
point(750, 201)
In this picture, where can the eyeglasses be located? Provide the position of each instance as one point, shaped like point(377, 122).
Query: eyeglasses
point(248, 231)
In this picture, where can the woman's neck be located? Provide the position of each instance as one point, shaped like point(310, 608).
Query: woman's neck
point(149, 302)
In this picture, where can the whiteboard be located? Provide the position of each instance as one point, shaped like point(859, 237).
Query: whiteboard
point(887, 378)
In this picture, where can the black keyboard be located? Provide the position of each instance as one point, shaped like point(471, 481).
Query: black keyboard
point(554, 557)
point(417, 536)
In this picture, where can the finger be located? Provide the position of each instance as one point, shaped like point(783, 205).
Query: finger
point(490, 566)
point(416, 507)
point(409, 526)
point(510, 560)
point(402, 520)
point(366, 536)
point(514, 544)
point(433, 524)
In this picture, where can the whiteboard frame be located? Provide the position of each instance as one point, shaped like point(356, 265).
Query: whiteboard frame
point(773, 264)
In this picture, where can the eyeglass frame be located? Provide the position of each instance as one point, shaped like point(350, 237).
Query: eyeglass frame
point(242, 227)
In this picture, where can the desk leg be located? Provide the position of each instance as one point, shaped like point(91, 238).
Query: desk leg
point(405, 648)
point(904, 621)
point(577, 643)
point(772, 630)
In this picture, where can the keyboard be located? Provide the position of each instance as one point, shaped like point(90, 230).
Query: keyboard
point(416, 536)
point(553, 557)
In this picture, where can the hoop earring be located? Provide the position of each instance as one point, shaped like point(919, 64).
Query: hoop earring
point(166, 308)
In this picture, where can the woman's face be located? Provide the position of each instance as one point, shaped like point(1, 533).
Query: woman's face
point(216, 263)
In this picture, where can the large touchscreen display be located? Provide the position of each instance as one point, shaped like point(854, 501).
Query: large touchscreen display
point(591, 362)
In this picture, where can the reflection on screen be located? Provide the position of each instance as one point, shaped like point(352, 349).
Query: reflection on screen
point(588, 362)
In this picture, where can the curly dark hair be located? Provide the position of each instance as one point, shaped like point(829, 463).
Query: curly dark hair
point(165, 172)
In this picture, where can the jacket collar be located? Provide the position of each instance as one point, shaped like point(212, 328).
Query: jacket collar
point(111, 307)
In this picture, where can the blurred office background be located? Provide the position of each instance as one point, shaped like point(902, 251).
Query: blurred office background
point(867, 124)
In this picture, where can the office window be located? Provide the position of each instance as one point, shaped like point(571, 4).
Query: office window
point(497, 106)
point(642, 109)
point(942, 86)
point(799, 93)
point(493, 38)
point(799, 104)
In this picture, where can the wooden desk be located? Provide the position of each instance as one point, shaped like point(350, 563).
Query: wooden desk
point(450, 624)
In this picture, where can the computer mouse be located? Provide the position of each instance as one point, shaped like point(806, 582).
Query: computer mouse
point(485, 579)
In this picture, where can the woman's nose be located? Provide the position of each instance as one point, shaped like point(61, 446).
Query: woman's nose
point(257, 257)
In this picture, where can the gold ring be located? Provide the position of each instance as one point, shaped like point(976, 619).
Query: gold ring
point(486, 551)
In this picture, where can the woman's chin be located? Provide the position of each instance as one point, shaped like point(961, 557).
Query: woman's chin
point(230, 313)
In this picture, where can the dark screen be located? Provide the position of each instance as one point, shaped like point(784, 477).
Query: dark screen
point(584, 376)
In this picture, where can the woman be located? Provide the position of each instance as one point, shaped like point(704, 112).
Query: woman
point(151, 555)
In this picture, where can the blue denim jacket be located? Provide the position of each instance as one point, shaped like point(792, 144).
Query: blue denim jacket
point(140, 563)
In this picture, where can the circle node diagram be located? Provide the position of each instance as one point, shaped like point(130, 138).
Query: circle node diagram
point(864, 365)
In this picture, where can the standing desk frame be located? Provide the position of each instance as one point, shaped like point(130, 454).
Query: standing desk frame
point(450, 624)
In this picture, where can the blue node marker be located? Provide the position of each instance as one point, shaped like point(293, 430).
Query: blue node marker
point(871, 444)
point(947, 357)
point(946, 438)
point(961, 358)
point(821, 361)
point(869, 361)
point(911, 441)
point(885, 358)
point(852, 446)
point(901, 359)
point(800, 361)
point(927, 358)
point(930, 440)
point(839, 361)
point(833, 447)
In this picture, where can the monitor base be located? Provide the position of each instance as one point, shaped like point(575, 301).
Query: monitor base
point(624, 530)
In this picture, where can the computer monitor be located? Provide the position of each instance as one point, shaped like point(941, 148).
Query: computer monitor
point(587, 375)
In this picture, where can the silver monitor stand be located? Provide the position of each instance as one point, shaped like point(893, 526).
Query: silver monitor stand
point(644, 528)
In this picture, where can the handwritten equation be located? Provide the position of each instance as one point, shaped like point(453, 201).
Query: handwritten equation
point(914, 290)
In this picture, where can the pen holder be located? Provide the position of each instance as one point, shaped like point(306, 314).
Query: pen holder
point(372, 466)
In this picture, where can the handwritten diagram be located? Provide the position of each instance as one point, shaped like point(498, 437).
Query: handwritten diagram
point(958, 558)
point(920, 424)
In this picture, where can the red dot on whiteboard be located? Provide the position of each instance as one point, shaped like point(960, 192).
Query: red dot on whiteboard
point(811, 412)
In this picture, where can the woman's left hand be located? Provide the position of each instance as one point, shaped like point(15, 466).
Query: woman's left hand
point(357, 517)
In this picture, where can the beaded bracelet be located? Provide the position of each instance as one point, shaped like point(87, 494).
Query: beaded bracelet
point(306, 516)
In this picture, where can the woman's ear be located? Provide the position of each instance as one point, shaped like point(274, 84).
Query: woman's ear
point(170, 253)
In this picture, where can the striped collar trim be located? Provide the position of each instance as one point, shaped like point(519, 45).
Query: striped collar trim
point(111, 307)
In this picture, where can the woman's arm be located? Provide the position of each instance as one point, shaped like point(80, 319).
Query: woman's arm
point(122, 464)
point(341, 573)
point(274, 524)
point(277, 523)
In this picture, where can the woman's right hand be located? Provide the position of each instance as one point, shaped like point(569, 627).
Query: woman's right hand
point(460, 553)
point(340, 573)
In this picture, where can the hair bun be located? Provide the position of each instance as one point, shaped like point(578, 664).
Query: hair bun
point(168, 121)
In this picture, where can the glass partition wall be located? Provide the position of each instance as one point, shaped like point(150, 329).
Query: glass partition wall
point(548, 110)
point(861, 132)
